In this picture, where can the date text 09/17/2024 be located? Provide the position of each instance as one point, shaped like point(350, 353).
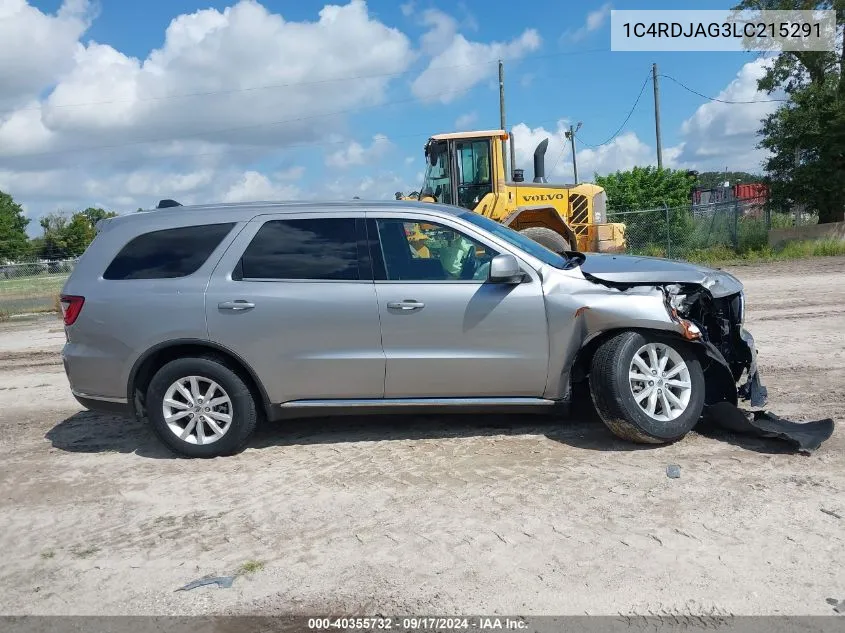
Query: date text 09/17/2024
point(418, 623)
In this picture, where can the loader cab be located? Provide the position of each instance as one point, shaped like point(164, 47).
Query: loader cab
point(458, 170)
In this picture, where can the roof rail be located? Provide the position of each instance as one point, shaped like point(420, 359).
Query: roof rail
point(164, 204)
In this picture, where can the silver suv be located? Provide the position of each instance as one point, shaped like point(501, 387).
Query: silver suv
point(204, 319)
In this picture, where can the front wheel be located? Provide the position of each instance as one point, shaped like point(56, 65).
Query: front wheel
point(647, 389)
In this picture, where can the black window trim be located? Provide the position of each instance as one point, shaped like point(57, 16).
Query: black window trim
point(380, 270)
point(365, 269)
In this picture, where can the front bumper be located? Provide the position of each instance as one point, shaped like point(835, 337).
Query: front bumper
point(752, 390)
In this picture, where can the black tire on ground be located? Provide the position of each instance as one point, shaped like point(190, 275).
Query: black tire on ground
point(614, 399)
point(546, 237)
point(244, 412)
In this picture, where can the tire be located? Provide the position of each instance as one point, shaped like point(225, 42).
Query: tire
point(613, 395)
point(548, 238)
point(240, 407)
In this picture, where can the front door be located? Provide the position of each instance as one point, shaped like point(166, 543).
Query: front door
point(446, 330)
point(293, 297)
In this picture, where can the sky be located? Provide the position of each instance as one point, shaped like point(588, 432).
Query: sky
point(121, 103)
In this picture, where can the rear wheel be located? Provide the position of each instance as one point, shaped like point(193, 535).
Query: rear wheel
point(201, 408)
point(647, 389)
point(546, 237)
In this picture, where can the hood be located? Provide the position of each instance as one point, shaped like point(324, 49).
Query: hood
point(636, 270)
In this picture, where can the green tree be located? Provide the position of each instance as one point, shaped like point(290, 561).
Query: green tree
point(95, 214)
point(54, 242)
point(711, 179)
point(806, 135)
point(79, 233)
point(646, 188)
point(643, 188)
point(66, 237)
point(14, 242)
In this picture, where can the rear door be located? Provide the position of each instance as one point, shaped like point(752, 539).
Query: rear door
point(293, 296)
point(446, 330)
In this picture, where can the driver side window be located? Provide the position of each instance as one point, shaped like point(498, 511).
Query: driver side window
point(420, 251)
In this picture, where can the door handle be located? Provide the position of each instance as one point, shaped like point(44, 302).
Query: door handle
point(406, 306)
point(237, 306)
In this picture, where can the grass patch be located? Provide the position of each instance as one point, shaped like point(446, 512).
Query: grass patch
point(765, 253)
point(84, 552)
point(35, 284)
point(250, 567)
point(47, 554)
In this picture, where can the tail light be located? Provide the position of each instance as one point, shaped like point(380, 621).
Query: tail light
point(71, 307)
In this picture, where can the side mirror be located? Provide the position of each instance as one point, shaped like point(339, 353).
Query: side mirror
point(505, 269)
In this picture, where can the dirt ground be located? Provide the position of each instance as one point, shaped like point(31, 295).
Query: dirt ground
point(422, 515)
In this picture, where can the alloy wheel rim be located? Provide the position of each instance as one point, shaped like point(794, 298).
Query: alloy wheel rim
point(660, 382)
point(197, 410)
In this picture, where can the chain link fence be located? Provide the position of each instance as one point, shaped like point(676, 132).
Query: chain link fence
point(718, 230)
point(722, 229)
point(32, 286)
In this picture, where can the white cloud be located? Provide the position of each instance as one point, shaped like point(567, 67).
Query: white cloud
point(465, 121)
point(383, 185)
point(292, 173)
point(37, 48)
point(407, 8)
point(723, 135)
point(357, 154)
point(595, 20)
point(255, 186)
point(458, 64)
point(226, 90)
point(266, 72)
point(624, 152)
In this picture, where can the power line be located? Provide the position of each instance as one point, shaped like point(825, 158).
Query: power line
point(219, 131)
point(627, 118)
point(559, 156)
point(226, 91)
point(703, 96)
point(253, 147)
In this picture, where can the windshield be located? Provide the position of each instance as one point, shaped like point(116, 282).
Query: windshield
point(520, 241)
point(437, 182)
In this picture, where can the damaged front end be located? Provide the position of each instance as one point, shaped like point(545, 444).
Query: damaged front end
point(716, 322)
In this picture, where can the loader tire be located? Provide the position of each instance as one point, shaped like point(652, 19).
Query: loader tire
point(548, 238)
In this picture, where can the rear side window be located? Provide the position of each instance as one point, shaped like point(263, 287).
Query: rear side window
point(167, 253)
point(320, 248)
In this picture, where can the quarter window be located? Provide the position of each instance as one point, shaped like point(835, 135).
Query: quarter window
point(324, 248)
point(167, 253)
point(422, 251)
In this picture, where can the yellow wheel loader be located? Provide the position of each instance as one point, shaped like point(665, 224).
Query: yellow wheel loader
point(468, 169)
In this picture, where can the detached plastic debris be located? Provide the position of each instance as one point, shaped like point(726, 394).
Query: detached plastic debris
point(805, 436)
point(673, 471)
point(223, 582)
point(838, 605)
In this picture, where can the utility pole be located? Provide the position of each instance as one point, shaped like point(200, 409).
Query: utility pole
point(571, 136)
point(502, 117)
point(657, 116)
